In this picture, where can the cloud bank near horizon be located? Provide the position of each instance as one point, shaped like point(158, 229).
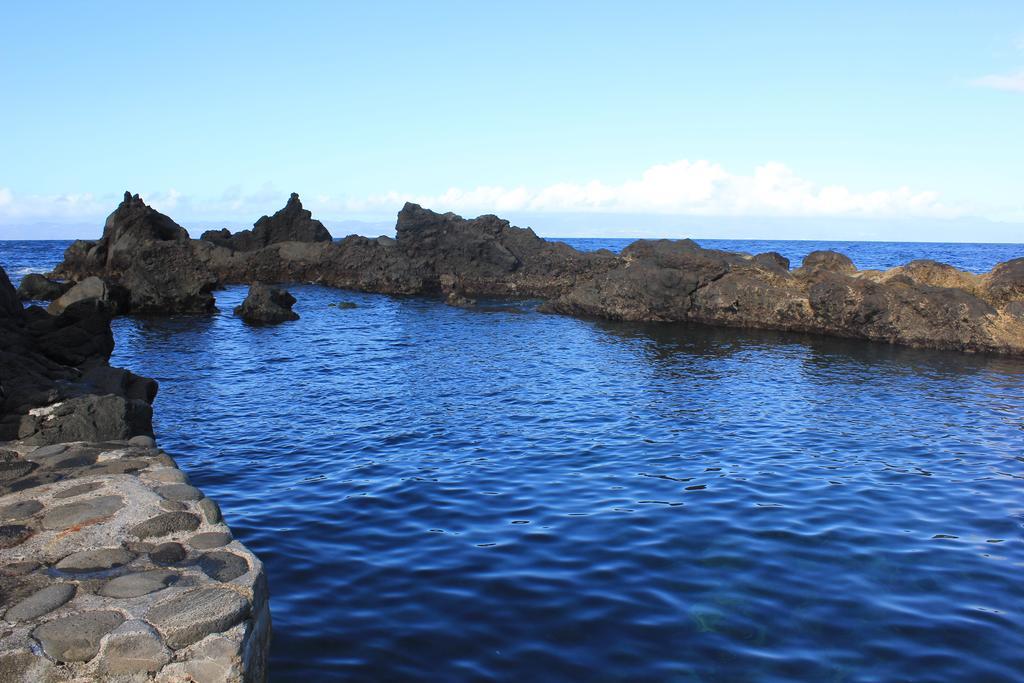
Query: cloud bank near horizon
point(694, 188)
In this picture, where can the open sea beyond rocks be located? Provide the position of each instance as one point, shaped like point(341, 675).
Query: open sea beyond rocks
point(495, 493)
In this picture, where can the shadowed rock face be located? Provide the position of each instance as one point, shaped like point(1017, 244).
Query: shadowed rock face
point(924, 303)
point(36, 287)
point(55, 383)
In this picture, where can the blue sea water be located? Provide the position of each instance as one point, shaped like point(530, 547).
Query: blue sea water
point(498, 494)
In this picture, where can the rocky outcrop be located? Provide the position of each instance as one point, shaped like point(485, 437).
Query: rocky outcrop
point(266, 305)
point(37, 287)
point(291, 224)
point(55, 383)
point(924, 303)
point(679, 281)
point(831, 261)
point(147, 254)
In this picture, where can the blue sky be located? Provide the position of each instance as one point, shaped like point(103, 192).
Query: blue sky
point(860, 120)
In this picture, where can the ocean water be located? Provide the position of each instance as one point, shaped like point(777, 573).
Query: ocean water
point(498, 494)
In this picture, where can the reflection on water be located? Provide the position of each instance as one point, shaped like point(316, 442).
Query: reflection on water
point(454, 494)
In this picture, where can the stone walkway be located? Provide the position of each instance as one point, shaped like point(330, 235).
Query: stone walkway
point(113, 567)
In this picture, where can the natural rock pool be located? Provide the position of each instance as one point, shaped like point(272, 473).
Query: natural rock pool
point(458, 494)
point(453, 494)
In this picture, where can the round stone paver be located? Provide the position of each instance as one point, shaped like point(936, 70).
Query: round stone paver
point(223, 566)
point(9, 471)
point(169, 475)
point(192, 616)
point(134, 648)
point(91, 510)
point(14, 534)
point(20, 568)
point(78, 490)
point(22, 510)
point(76, 638)
point(135, 585)
point(41, 602)
point(210, 510)
point(168, 553)
point(166, 523)
point(180, 492)
point(210, 539)
point(95, 560)
point(46, 451)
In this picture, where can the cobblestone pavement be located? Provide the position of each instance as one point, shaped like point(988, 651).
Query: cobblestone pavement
point(113, 567)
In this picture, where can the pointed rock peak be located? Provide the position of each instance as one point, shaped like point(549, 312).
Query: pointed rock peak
point(291, 224)
point(138, 222)
point(132, 199)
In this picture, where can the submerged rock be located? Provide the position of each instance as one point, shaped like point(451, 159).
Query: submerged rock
point(457, 300)
point(266, 305)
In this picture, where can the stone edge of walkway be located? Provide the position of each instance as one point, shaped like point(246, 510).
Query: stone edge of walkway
point(193, 612)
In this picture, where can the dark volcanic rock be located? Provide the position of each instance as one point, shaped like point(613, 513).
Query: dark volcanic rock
point(36, 287)
point(10, 306)
point(149, 255)
point(266, 305)
point(1006, 282)
point(921, 304)
point(88, 418)
point(94, 292)
point(291, 224)
point(828, 260)
point(679, 281)
point(55, 384)
point(772, 259)
point(486, 256)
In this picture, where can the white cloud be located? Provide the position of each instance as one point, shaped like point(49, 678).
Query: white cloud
point(1010, 82)
point(697, 188)
point(690, 188)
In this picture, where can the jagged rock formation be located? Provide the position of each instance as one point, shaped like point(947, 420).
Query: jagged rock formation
point(266, 305)
point(290, 224)
point(149, 255)
point(923, 304)
point(37, 287)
